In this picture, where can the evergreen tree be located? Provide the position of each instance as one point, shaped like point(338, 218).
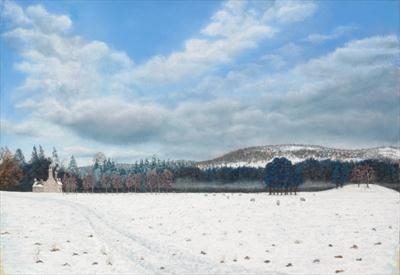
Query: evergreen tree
point(297, 177)
point(97, 176)
point(153, 162)
point(41, 153)
point(38, 166)
point(73, 167)
point(35, 156)
point(19, 158)
point(55, 158)
point(279, 175)
point(24, 183)
point(337, 177)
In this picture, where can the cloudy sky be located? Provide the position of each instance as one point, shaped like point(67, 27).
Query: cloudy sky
point(194, 79)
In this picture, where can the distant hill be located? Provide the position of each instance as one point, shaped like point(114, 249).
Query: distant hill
point(259, 156)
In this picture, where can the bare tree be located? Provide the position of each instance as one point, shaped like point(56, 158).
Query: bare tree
point(99, 157)
point(116, 181)
point(88, 182)
point(10, 172)
point(69, 183)
point(133, 180)
point(166, 179)
point(105, 182)
point(73, 183)
point(152, 179)
point(363, 173)
point(65, 184)
point(137, 180)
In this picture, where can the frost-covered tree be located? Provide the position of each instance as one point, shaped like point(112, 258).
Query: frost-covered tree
point(73, 166)
point(97, 175)
point(99, 157)
point(41, 152)
point(55, 158)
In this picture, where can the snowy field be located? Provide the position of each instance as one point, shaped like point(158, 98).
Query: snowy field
point(348, 231)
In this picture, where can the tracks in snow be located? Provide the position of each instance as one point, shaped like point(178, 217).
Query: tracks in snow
point(143, 255)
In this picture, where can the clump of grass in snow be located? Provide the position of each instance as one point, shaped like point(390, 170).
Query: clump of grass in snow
point(36, 256)
point(103, 250)
point(109, 260)
point(54, 248)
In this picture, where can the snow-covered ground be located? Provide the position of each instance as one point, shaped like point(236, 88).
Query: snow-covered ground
point(351, 231)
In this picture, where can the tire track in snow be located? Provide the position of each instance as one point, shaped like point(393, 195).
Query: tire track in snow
point(134, 247)
point(104, 234)
point(156, 256)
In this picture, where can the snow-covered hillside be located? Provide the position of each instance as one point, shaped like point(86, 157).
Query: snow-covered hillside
point(350, 230)
point(259, 156)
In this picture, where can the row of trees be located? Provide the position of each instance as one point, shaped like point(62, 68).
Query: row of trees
point(17, 173)
point(283, 177)
point(158, 175)
point(152, 181)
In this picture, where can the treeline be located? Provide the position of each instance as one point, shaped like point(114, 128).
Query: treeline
point(157, 175)
point(17, 174)
point(280, 175)
point(307, 170)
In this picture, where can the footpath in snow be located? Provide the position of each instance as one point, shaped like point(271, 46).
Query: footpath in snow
point(347, 231)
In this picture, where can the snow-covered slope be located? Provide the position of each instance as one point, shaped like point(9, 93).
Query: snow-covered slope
point(259, 156)
point(350, 230)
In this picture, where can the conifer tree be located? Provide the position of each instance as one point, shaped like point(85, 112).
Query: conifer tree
point(73, 167)
point(19, 157)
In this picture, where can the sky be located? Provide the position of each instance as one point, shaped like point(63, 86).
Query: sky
point(195, 79)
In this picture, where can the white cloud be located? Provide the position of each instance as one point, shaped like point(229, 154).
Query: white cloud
point(290, 11)
point(289, 49)
point(237, 26)
point(68, 67)
point(325, 100)
point(23, 128)
point(47, 22)
point(336, 33)
point(84, 91)
point(35, 17)
point(275, 60)
point(14, 12)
